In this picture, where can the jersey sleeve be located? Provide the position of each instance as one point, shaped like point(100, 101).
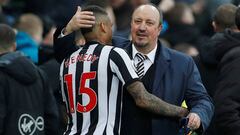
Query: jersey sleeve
point(63, 46)
point(122, 66)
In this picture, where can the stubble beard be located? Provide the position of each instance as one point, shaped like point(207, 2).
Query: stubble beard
point(140, 45)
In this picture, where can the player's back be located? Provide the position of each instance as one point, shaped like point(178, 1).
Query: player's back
point(92, 81)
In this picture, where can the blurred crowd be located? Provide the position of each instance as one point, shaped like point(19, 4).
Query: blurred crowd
point(187, 23)
point(190, 26)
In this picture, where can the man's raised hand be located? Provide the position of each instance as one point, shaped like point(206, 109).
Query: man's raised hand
point(81, 19)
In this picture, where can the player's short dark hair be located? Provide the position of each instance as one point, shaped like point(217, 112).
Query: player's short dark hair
point(99, 13)
point(224, 17)
point(7, 37)
point(237, 18)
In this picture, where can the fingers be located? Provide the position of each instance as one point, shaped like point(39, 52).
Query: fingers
point(85, 19)
point(85, 26)
point(194, 121)
point(81, 19)
point(86, 15)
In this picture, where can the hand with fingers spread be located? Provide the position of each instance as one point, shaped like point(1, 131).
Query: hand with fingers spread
point(81, 19)
point(194, 121)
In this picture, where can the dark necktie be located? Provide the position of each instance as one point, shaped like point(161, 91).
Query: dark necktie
point(140, 64)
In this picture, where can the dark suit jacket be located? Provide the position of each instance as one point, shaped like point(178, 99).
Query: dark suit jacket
point(176, 79)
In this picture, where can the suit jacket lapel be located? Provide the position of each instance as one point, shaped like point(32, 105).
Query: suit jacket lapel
point(162, 62)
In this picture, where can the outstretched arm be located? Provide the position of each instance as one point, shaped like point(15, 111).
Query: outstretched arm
point(152, 103)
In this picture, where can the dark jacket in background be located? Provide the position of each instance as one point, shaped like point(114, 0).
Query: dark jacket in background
point(51, 67)
point(207, 65)
point(27, 105)
point(182, 33)
point(227, 95)
point(45, 53)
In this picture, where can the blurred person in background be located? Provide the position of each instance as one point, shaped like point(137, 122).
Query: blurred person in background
point(181, 25)
point(203, 17)
point(46, 51)
point(61, 13)
point(48, 63)
point(187, 49)
point(224, 25)
point(122, 10)
point(3, 3)
point(166, 5)
point(29, 35)
point(223, 20)
point(227, 94)
point(212, 5)
point(5, 17)
point(27, 105)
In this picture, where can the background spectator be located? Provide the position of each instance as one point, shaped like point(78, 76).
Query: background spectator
point(227, 95)
point(223, 24)
point(29, 35)
point(187, 49)
point(181, 25)
point(27, 105)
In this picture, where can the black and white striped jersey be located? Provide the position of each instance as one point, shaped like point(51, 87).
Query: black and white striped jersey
point(92, 79)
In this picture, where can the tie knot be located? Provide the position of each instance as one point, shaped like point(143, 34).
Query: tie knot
point(141, 57)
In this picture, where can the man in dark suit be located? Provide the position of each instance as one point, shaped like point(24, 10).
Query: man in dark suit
point(170, 75)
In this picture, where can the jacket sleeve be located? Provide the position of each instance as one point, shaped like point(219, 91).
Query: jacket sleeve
point(63, 46)
point(3, 106)
point(196, 96)
point(227, 99)
point(51, 115)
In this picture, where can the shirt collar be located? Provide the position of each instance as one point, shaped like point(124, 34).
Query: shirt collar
point(151, 55)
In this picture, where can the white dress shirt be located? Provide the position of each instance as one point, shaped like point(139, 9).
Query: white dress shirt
point(148, 62)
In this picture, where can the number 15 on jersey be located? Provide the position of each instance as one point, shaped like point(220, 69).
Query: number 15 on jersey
point(82, 90)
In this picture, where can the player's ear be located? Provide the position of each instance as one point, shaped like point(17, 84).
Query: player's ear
point(103, 27)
